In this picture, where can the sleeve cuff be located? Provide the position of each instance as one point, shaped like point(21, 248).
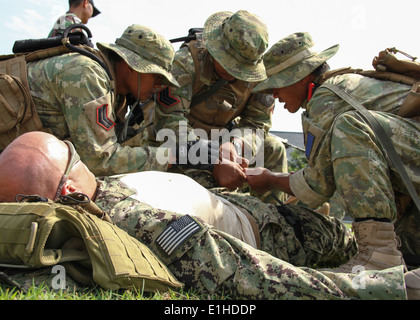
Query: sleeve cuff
point(304, 192)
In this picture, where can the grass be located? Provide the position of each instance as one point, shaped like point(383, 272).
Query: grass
point(43, 292)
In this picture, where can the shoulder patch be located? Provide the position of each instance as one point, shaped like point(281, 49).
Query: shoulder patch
point(265, 99)
point(309, 144)
point(177, 233)
point(165, 98)
point(102, 117)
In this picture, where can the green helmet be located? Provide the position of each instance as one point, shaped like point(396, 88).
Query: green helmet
point(237, 41)
point(145, 51)
point(292, 59)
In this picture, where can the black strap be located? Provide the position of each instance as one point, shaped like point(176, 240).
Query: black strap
point(411, 260)
point(206, 94)
point(191, 36)
point(82, 51)
point(291, 218)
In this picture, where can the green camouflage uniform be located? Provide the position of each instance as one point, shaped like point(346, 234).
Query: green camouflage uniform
point(345, 157)
point(349, 158)
point(63, 23)
point(232, 107)
point(75, 100)
point(213, 261)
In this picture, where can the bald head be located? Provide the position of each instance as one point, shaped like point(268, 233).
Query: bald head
point(32, 164)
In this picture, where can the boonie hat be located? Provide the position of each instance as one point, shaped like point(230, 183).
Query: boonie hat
point(237, 41)
point(145, 51)
point(292, 59)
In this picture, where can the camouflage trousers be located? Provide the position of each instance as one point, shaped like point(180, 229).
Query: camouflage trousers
point(275, 159)
point(214, 262)
point(297, 234)
point(211, 261)
point(368, 185)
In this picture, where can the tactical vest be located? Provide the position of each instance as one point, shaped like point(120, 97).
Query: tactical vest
point(92, 250)
point(217, 111)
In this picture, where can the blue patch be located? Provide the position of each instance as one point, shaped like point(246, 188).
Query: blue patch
point(309, 144)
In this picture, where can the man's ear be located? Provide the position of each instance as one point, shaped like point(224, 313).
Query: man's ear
point(67, 189)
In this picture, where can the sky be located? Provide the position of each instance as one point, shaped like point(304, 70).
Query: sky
point(362, 28)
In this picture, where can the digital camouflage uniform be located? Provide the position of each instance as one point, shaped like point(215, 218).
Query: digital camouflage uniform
point(350, 159)
point(233, 106)
point(75, 100)
point(63, 23)
point(212, 261)
point(69, 19)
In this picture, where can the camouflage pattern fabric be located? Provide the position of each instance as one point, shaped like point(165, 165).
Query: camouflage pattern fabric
point(275, 159)
point(238, 41)
point(249, 111)
point(24, 279)
point(345, 156)
point(211, 261)
point(78, 104)
point(63, 23)
point(291, 59)
point(145, 51)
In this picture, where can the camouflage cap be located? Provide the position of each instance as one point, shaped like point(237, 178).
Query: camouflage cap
point(95, 9)
point(238, 42)
point(292, 59)
point(145, 51)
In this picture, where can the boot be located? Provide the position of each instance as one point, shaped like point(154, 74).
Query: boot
point(377, 247)
point(412, 283)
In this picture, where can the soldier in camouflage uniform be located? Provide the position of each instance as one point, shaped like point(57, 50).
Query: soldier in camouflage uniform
point(229, 52)
point(76, 99)
point(343, 152)
point(80, 11)
point(200, 256)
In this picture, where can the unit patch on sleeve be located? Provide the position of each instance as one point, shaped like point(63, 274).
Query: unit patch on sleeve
point(166, 98)
point(102, 117)
point(176, 233)
point(309, 144)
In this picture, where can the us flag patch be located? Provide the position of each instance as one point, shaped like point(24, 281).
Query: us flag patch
point(166, 98)
point(176, 233)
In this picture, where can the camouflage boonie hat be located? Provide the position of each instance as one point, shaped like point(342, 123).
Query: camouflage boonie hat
point(145, 51)
point(238, 42)
point(292, 59)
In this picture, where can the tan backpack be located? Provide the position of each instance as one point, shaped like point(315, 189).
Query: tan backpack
point(17, 109)
point(386, 62)
point(388, 67)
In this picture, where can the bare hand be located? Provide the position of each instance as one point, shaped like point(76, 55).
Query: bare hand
point(230, 174)
point(259, 179)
